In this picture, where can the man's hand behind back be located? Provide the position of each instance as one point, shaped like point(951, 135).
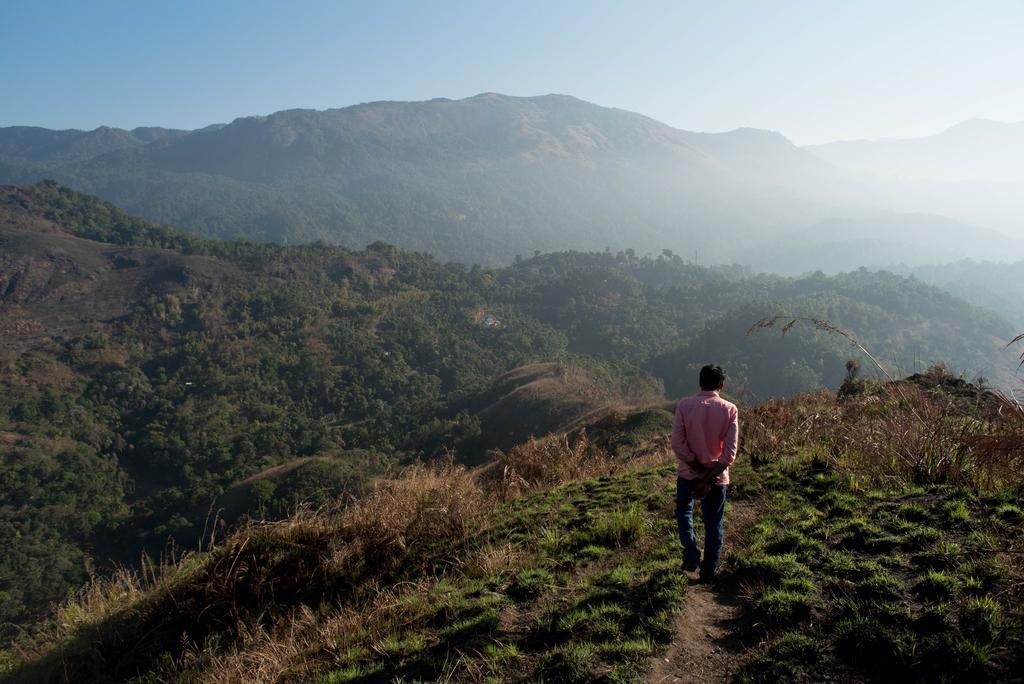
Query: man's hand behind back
point(706, 478)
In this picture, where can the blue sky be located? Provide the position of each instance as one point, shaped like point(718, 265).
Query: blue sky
point(816, 70)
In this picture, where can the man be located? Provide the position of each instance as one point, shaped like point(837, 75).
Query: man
point(705, 435)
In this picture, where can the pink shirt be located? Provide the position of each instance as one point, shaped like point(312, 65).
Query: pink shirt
point(706, 429)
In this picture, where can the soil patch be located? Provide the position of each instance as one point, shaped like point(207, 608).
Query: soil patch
point(711, 633)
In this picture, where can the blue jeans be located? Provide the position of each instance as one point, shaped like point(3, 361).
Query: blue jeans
point(712, 509)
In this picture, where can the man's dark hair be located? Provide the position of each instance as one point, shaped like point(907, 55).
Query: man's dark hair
point(711, 377)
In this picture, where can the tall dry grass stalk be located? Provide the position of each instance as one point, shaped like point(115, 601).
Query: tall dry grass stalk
point(823, 325)
point(543, 463)
point(1015, 340)
point(829, 327)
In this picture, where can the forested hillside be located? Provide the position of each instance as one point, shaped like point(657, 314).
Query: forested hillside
point(149, 378)
point(993, 285)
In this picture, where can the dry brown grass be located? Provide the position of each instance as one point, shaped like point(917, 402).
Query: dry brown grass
point(260, 576)
point(900, 433)
point(357, 557)
point(543, 463)
point(895, 435)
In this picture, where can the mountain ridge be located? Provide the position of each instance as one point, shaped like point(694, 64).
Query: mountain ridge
point(489, 177)
point(972, 150)
point(512, 173)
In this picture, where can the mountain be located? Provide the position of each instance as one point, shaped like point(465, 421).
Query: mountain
point(972, 172)
point(490, 177)
point(479, 180)
point(976, 150)
point(912, 240)
point(41, 145)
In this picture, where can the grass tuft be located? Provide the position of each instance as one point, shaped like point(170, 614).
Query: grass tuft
point(784, 605)
point(617, 528)
point(957, 511)
point(982, 619)
point(937, 584)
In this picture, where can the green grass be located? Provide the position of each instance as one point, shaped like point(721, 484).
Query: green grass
point(1009, 513)
point(597, 582)
point(531, 582)
point(616, 528)
point(914, 512)
point(943, 554)
point(789, 656)
point(839, 584)
point(847, 585)
point(957, 511)
point(572, 662)
point(982, 619)
point(937, 584)
point(769, 567)
point(784, 605)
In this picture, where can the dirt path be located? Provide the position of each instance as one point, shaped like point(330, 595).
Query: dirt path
point(707, 645)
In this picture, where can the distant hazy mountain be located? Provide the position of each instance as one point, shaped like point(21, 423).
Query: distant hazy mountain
point(972, 172)
point(995, 286)
point(972, 151)
point(483, 178)
point(489, 177)
point(912, 240)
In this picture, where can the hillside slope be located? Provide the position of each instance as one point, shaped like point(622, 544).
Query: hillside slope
point(914, 240)
point(561, 563)
point(992, 285)
point(148, 377)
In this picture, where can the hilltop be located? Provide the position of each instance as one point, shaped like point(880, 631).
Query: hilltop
point(150, 379)
point(849, 558)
